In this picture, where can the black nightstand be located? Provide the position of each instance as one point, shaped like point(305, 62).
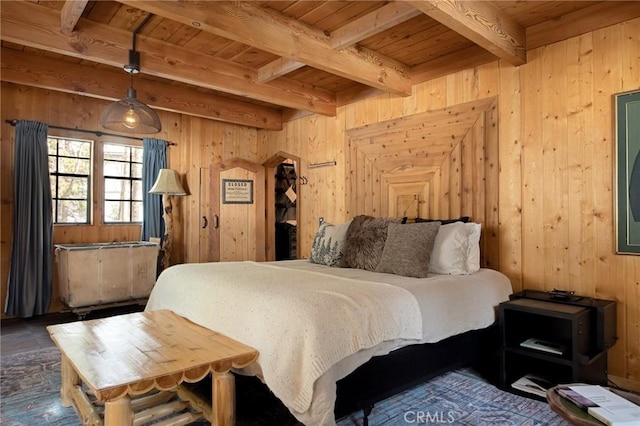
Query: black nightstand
point(561, 341)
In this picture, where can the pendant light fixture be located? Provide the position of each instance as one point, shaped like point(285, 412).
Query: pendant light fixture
point(129, 115)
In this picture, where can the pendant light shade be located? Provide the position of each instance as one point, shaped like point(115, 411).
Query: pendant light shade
point(129, 115)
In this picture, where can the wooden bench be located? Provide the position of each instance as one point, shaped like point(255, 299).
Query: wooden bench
point(150, 353)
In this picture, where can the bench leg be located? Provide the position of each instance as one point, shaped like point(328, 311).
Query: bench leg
point(68, 381)
point(223, 404)
point(118, 412)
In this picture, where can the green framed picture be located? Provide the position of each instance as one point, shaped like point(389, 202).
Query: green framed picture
point(627, 125)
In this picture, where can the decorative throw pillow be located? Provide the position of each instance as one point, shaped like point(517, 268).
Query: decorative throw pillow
point(327, 247)
point(456, 250)
point(365, 242)
point(408, 249)
point(463, 219)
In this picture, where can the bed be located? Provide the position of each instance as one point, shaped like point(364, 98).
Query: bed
point(321, 330)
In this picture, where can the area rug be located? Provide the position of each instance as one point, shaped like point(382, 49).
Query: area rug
point(30, 395)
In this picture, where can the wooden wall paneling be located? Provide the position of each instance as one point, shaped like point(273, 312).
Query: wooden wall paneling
point(532, 172)
point(336, 132)
point(581, 262)
point(491, 183)
point(510, 165)
point(446, 202)
point(388, 154)
point(456, 209)
point(478, 168)
point(466, 175)
point(185, 158)
point(455, 89)
point(609, 274)
point(359, 206)
point(554, 175)
point(368, 188)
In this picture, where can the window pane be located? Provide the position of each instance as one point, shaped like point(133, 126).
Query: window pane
point(73, 187)
point(52, 145)
point(136, 170)
point(72, 211)
point(116, 152)
point(74, 166)
point(52, 164)
point(74, 148)
point(137, 212)
point(117, 211)
point(136, 154)
point(116, 168)
point(137, 190)
point(117, 189)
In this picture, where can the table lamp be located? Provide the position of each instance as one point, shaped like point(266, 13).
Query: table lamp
point(167, 184)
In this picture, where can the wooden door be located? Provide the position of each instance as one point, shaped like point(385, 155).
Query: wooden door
point(238, 219)
point(205, 249)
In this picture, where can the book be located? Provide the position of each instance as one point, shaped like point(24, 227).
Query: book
point(581, 401)
point(609, 408)
point(543, 345)
point(532, 384)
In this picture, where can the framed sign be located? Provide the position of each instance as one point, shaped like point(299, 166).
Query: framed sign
point(237, 191)
point(627, 125)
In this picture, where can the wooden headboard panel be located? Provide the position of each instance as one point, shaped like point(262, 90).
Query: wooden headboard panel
point(436, 164)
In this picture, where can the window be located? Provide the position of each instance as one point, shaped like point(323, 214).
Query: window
point(122, 183)
point(70, 172)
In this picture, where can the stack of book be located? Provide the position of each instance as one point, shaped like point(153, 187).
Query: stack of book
point(532, 384)
point(601, 403)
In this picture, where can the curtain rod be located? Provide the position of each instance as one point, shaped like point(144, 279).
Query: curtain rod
point(95, 132)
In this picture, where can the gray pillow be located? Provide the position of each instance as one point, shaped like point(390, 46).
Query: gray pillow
point(365, 241)
point(328, 244)
point(408, 249)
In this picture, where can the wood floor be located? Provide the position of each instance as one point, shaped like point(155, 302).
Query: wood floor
point(24, 335)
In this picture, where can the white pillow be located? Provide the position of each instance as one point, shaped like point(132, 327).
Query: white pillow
point(456, 250)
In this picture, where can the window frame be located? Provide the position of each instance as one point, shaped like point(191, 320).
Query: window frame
point(129, 178)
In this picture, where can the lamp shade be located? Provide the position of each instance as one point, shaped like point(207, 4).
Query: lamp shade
point(168, 182)
point(129, 115)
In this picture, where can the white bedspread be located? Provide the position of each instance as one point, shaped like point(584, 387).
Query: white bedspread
point(295, 318)
point(296, 314)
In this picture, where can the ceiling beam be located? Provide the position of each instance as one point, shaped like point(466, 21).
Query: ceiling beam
point(71, 13)
point(352, 33)
point(481, 22)
point(271, 31)
point(372, 23)
point(35, 26)
point(65, 76)
point(277, 68)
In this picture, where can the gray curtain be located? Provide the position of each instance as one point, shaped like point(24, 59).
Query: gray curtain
point(30, 269)
point(154, 158)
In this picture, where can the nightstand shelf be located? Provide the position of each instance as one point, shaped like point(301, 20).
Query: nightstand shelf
point(560, 341)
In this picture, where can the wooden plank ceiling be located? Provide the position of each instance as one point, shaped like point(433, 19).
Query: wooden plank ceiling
point(259, 63)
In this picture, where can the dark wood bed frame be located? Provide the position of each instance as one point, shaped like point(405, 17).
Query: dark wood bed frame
point(384, 376)
point(377, 379)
